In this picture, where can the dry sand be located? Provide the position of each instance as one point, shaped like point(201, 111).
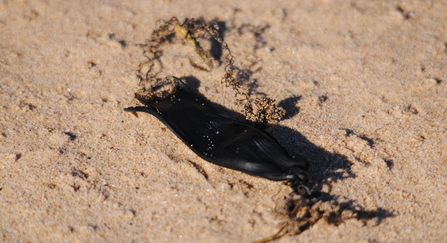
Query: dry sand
point(371, 77)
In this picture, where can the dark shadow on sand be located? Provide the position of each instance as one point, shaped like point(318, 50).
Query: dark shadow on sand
point(325, 167)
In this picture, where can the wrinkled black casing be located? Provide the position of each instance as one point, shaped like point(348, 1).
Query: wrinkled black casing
point(221, 140)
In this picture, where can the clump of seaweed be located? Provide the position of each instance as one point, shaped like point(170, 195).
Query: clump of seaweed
point(307, 210)
point(258, 109)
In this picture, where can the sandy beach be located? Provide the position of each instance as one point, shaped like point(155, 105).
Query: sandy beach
point(363, 83)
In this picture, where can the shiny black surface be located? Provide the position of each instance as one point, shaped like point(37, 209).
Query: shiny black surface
point(221, 140)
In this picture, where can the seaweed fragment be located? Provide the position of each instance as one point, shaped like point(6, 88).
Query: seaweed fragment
point(258, 109)
point(216, 138)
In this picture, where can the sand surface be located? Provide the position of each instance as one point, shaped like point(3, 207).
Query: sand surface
point(364, 83)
